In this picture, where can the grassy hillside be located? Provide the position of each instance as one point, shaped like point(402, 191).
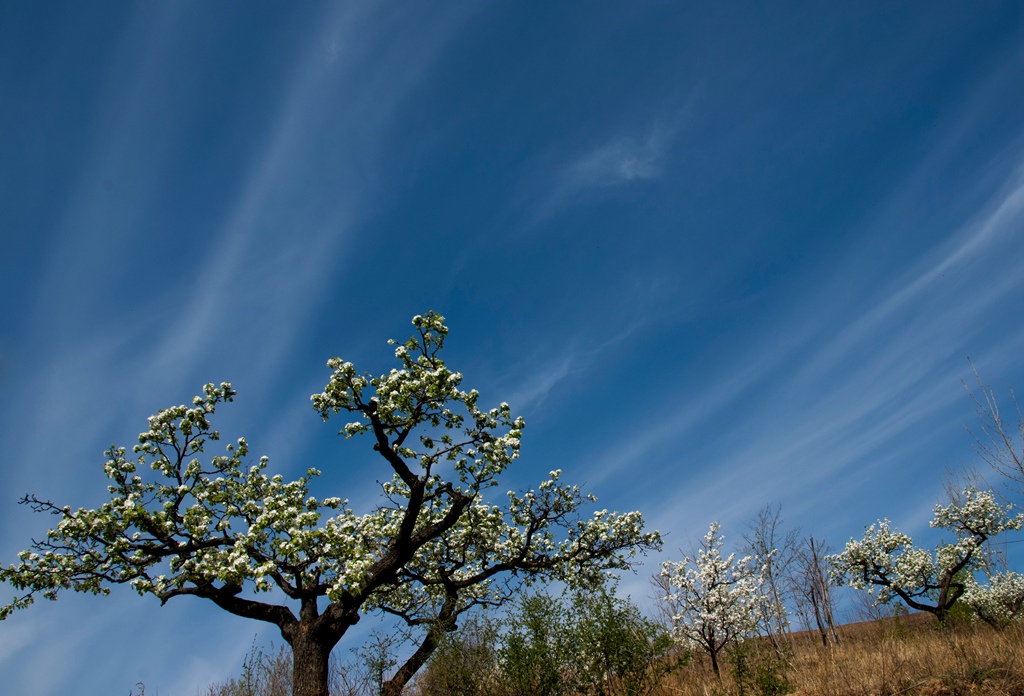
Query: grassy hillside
point(908, 655)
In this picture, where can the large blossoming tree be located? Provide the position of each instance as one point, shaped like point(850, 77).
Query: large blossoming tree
point(182, 521)
point(713, 601)
point(887, 560)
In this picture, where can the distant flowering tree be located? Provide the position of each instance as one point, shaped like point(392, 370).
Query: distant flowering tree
point(181, 522)
point(713, 601)
point(887, 561)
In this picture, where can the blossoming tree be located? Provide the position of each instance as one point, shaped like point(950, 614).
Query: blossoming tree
point(182, 522)
point(713, 601)
point(888, 561)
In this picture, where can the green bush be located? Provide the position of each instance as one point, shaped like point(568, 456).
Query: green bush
point(759, 669)
point(534, 654)
point(619, 651)
point(590, 643)
point(466, 662)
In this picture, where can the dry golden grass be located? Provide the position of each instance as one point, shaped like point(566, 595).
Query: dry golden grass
point(909, 656)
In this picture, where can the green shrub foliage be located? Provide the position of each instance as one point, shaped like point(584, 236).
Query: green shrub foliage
point(584, 642)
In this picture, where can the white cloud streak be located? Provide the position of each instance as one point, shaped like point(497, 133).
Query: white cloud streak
point(252, 291)
point(824, 404)
point(617, 162)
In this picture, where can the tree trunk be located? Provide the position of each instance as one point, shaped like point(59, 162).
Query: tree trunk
point(444, 623)
point(820, 598)
point(714, 663)
point(394, 686)
point(776, 643)
point(310, 660)
point(826, 604)
point(818, 620)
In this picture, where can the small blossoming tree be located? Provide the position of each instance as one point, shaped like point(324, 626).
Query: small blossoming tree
point(713, 601)
point(183, 522)
point(887, 560)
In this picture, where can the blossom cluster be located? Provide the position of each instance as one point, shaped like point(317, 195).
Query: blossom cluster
point(1000, 601)
point(424, 392)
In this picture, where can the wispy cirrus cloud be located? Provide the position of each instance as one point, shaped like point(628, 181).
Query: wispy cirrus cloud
point(815, 411)
point(618, 161)
point(241, 296)
point(262, 272)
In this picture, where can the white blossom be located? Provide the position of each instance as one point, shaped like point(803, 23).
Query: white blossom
point(1000, 601)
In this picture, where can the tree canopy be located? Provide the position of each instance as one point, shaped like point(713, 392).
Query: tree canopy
point(182, 521)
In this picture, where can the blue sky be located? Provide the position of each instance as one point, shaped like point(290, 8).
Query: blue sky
point(718, 255)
